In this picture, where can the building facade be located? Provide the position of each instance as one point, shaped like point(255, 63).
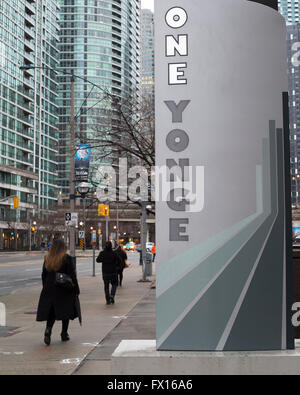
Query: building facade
point(290, 10)
point(99, 44)
point(293, 40)
point(28, 116)
point(147, 54)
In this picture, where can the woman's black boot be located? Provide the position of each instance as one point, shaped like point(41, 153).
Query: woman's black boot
point(47, 336)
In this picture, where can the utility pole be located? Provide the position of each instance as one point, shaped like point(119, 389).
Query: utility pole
point(72, 169)
point(144, 237)
point(118, 236)
point(106, 228)
point(30, 226)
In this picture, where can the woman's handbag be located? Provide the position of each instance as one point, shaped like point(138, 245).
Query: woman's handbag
point(62, 280)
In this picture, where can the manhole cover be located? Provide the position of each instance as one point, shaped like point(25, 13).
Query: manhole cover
point(6, 331)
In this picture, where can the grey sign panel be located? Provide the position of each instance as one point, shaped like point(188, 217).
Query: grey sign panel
point(222, 236)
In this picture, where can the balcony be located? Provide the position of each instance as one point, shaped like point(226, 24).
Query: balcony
point(29, 20)
point(30, 9)
point(29, 31)
point(29, 57)
point(28, 82)
point(27, 105)
point(29, 45)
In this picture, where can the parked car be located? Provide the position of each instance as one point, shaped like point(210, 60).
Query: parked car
point(130, 246)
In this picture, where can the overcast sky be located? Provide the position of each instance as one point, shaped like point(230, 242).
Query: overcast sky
point(148, 4)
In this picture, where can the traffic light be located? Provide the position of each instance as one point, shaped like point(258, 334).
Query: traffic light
point(106, 211)
point(99, 232)
point(11, 233)
point(16, 202)
point(33, 229)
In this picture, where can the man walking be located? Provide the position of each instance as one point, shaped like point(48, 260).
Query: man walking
point(109, 260)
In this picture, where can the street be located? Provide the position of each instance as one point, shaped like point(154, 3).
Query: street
point(18, 270)
point(22, 350)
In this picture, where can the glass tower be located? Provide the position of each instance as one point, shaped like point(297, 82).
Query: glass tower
point(290, 10)
point(99, 42)
point(147, 54)
point(28, 114)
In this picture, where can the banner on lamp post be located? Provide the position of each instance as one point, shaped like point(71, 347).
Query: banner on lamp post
point(82, 162)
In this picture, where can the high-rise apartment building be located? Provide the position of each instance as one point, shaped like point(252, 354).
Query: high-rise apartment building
point(293, 40)
point(28, 115)
point(147, 53)
point(99, 42)
point(290, 10)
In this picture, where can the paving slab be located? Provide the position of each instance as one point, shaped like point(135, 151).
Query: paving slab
point(139, 323)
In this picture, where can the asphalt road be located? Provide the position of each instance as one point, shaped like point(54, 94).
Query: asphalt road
point(19, 271)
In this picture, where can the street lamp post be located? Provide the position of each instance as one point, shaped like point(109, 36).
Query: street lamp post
point(72, 141)
point(83, 188)
point(72, 169)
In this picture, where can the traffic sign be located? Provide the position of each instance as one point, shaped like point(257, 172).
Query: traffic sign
point(81, 234)
point(94, 237)
point(100, 210)
point(71, 219)
point(81, 244)
point(16, 202)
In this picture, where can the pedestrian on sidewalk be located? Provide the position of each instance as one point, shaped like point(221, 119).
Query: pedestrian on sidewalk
point(109, 260)
point(153, 252)
point(43, 245)
point(59, 297)
point(122, 263)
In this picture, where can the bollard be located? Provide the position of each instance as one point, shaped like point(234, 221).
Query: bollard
point(2, 314)
point(148, 264)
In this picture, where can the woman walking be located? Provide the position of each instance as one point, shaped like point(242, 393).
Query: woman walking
point(59, 297)
point(121, 264)
point(109, 260)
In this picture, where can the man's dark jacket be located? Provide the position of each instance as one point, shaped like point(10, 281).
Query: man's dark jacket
point(109, 260)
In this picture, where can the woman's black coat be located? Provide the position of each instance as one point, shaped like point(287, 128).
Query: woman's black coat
point(122, 259)
point(62, 300)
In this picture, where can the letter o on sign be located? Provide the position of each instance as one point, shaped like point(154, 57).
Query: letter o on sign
point(177, 140)
point(176, 17)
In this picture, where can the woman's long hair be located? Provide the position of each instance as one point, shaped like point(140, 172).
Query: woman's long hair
point(54, 258)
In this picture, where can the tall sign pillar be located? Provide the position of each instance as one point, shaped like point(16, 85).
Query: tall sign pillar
point(224, 273)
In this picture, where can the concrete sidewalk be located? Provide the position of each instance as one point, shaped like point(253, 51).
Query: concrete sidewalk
point(22, 350)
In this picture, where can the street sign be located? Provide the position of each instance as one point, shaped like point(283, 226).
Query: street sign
point(16, 202)
point(94, 237)
point(100, 210)
point(71, 219)
point(81, 234)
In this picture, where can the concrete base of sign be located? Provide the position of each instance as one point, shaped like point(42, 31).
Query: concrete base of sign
point(140, 357)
